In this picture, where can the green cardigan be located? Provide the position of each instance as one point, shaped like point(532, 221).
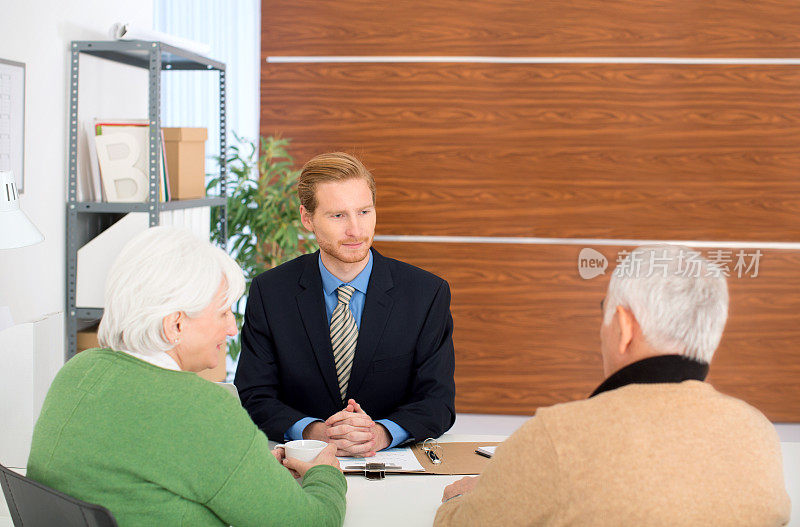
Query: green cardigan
point(163, 447)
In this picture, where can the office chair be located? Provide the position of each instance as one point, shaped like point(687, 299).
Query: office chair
point(35, 505)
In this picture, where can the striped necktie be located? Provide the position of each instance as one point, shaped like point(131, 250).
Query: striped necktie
point(344, 335)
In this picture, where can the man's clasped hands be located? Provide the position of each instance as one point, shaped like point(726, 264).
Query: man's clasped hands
point(352, 431)
point(355, 434)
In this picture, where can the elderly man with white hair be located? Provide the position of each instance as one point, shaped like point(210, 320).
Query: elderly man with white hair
point(654, 444)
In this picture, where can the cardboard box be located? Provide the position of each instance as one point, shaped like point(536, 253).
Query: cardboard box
point(87, 339)
point(186, 162)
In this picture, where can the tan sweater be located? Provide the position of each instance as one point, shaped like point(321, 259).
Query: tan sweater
point(644, 454)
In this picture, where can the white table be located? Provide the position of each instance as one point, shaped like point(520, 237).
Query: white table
point(411, 500)
point(407, 500)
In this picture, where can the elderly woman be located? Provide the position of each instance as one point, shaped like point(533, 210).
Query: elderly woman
point(131, 427)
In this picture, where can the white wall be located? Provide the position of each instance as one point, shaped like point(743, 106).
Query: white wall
point(38, 32)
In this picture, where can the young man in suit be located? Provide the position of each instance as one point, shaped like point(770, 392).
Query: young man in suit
point(346, 345)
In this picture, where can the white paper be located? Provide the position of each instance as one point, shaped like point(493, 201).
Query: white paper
point(401, 457)
point(488, 450)
point(126, 31)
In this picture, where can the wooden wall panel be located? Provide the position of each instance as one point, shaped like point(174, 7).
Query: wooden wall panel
point(608, 151)
point(527, 326)
point(639, 151)
point(613, 28)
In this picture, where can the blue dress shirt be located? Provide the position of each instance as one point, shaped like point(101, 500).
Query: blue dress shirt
point(329, 285)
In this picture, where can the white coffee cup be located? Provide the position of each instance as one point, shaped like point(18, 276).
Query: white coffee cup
point(304, 449)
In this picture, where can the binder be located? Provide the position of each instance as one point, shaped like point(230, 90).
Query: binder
point(457, 458)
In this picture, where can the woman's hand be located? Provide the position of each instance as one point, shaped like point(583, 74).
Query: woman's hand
point(326, 457)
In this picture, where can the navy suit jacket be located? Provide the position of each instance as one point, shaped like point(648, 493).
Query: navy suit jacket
point(403, 364)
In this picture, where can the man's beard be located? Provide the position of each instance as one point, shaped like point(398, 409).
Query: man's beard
point(335, 250)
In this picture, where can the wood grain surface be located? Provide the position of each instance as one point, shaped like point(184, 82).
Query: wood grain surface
point(640, 151)
point(612, 28)
point(606, 151)
point(527, 326)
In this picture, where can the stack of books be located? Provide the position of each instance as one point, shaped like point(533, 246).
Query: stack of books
point(116, 167)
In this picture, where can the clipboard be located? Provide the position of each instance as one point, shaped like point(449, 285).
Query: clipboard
point(457, 458)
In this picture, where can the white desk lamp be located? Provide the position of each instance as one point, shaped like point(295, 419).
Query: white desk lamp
point(16, 230)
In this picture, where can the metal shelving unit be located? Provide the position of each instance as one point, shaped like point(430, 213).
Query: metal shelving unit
point(85, 220)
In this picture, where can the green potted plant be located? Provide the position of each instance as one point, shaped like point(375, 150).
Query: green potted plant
point(264, 228)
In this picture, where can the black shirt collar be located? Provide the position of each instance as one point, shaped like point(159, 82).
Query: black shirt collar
point(659, 369)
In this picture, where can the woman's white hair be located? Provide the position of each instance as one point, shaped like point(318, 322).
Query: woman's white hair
point(679, 299)
point(162, 271)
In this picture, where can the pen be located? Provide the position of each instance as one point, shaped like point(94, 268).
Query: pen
point(482, 454)
point(362, 467)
